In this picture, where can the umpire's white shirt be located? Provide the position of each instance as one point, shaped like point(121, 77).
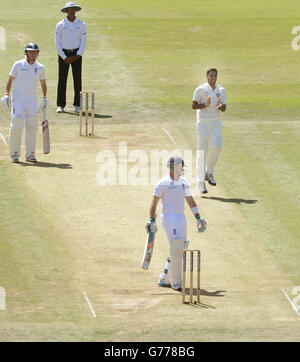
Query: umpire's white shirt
point(26, 79)
point(217, 95)
point(172, 194)
point(70, 35)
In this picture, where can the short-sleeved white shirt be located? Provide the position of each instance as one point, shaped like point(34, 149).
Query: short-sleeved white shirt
point(172, 194)
point(26, 79)
point(200, 95)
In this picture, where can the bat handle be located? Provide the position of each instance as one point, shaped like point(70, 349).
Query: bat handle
point(44, 114)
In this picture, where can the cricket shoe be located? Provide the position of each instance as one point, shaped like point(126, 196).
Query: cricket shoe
point(76, 109)
point(14, 159)
point(210, 178)
point(163, 284)
point(177, 287)
point(60, 110)
point(31, 158)
point(202, 187)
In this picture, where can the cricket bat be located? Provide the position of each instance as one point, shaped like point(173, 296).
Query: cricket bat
point(148, 249)
point(46, 135)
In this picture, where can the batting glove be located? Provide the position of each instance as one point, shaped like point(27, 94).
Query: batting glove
point(201, 224)
point(6, 100)
point(150, 225)
point(44, 104)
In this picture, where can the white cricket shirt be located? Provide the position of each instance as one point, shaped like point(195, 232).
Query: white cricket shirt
point(26, 79)
point(200, 95)
point(70, 35)
point(172, 194)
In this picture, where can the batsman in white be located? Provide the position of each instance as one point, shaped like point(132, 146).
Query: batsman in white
point(173, 189)
point(25, 75)
point(209, 100)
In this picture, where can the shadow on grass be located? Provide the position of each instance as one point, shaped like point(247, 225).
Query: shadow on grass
point(200, 305)
point(234, 201)
point(203, 292)
point(96, 115)
point(64, 166)
point(206, 293)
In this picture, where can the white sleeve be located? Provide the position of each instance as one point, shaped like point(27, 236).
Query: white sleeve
point(187, 189)
point(197, 95)
point(158, 190)
point(223, 96)
point(82, 40)
point(42, 73)
point(58, 41)
point(14, 71)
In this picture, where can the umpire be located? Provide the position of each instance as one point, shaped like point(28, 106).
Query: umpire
point(70, 41)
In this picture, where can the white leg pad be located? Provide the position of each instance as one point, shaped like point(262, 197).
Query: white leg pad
point(165, 275)
point(15, 136)
point(30, 135)
point(176, 252)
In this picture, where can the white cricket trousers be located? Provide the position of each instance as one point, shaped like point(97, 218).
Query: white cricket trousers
point(208, 131)
point(175, 228)
point(23, 113)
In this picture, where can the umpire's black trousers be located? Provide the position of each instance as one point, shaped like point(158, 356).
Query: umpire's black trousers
point(63, 69)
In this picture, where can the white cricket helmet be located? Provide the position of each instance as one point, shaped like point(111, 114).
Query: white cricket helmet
point(174, 161)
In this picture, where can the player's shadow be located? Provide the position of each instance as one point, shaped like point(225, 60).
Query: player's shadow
point(102, 115)
point(216, 293)
point(96, 115)
point(64, 166)
point(202, 293)
point(230, 200)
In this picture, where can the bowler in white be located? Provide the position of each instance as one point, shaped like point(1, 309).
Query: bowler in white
point(209, 100)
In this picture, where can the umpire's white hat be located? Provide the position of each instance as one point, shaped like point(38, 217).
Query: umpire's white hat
point(69, 5)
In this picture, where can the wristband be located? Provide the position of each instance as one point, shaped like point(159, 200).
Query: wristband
point(195, 210)
point(152, 219)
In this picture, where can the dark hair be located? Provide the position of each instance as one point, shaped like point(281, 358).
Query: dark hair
point(211, 70)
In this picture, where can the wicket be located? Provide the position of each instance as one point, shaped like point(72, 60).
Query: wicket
point(86, 94)
point(191, 292)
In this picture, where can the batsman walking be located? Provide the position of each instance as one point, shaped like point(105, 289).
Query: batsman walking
point(209, 100)
point(173, 189)
point(25, 75)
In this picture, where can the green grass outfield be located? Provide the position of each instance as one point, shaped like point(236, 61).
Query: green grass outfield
point(63, 237)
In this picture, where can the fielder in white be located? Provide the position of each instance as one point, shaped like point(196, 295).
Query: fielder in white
point(209, 100)
point(173, 189)
point(25, 75)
